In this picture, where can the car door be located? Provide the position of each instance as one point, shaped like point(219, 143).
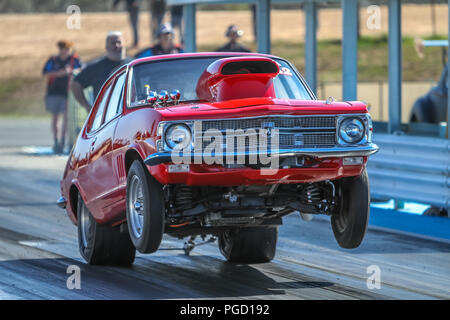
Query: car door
point(88, 140)
point(109, 160)
point(101, 167)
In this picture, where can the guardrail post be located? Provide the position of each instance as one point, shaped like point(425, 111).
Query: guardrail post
point(263, 25)
point(310, 9)
point(395, 65)
point(349, 49)
point(190, 35)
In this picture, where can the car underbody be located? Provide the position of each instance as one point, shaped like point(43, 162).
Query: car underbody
point(209, 210)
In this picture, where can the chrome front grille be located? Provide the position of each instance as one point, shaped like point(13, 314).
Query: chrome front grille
point(294, 132)
point(309, 140)
point(304, 122)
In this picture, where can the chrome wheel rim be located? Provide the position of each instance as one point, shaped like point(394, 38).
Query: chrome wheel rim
point(136, 206)
point(85, 224)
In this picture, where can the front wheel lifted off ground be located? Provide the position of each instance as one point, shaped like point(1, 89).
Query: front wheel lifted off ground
point(145, 209)
point(349, 222)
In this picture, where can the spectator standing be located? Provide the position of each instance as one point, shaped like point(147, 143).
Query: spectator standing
point(133, 7)
point(58, 70)
point(165, 43)
point(97, 72)
point(233, 33)
point(157, 11)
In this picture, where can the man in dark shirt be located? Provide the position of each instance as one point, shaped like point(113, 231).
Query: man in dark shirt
point(165, 44)
point(58, 70)
point(97, 72)
point(233, 33)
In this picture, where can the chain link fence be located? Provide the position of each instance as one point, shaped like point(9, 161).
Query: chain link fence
point(76, 116)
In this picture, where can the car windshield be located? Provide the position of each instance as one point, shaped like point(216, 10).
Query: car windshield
point(183, 75)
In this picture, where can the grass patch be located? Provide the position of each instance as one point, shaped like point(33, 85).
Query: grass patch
point(22, 96)
point(9, 87)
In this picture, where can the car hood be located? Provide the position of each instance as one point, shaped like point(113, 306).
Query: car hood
point(259, 107)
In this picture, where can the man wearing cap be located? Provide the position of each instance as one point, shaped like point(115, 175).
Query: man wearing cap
point(233, 33)
point(97, 72)
point(58, 70)
point(165, 43)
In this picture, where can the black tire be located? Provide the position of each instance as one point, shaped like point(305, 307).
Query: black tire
point(249, 245)
point(102, 244)
point(152, 210)
point(349, 222)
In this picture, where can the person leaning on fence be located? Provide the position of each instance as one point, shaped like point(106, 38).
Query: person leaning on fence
point(58, 70)
point(233, 33)
point(97, 72)
point(165, 43)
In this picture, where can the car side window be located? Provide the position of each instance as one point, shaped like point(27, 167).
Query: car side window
point(97, 122)
point(114, 105)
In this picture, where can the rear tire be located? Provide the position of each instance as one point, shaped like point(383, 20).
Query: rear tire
point(249, 245)
point(349, 222)
point(102, 244)
point(145, 209)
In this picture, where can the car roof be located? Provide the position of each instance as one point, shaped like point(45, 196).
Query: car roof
point(197, 55)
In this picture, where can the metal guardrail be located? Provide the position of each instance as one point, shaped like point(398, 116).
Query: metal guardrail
point(411, 168)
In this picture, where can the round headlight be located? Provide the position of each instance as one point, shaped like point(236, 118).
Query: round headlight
point(351, 130)
point(178, 136)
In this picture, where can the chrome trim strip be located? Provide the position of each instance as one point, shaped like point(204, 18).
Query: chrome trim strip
point(366, 150)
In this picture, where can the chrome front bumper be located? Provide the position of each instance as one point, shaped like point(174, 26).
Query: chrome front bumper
point(339, 152)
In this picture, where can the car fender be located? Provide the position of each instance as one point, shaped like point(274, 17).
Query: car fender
point(73, 215)
point(138, 147)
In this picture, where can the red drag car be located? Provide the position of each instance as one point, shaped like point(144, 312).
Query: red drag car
point(219, 144)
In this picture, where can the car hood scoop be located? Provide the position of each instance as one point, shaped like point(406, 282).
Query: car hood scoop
point(237, 78)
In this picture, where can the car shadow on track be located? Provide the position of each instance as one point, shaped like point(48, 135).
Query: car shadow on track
point(49, 279)
point(146, 279)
